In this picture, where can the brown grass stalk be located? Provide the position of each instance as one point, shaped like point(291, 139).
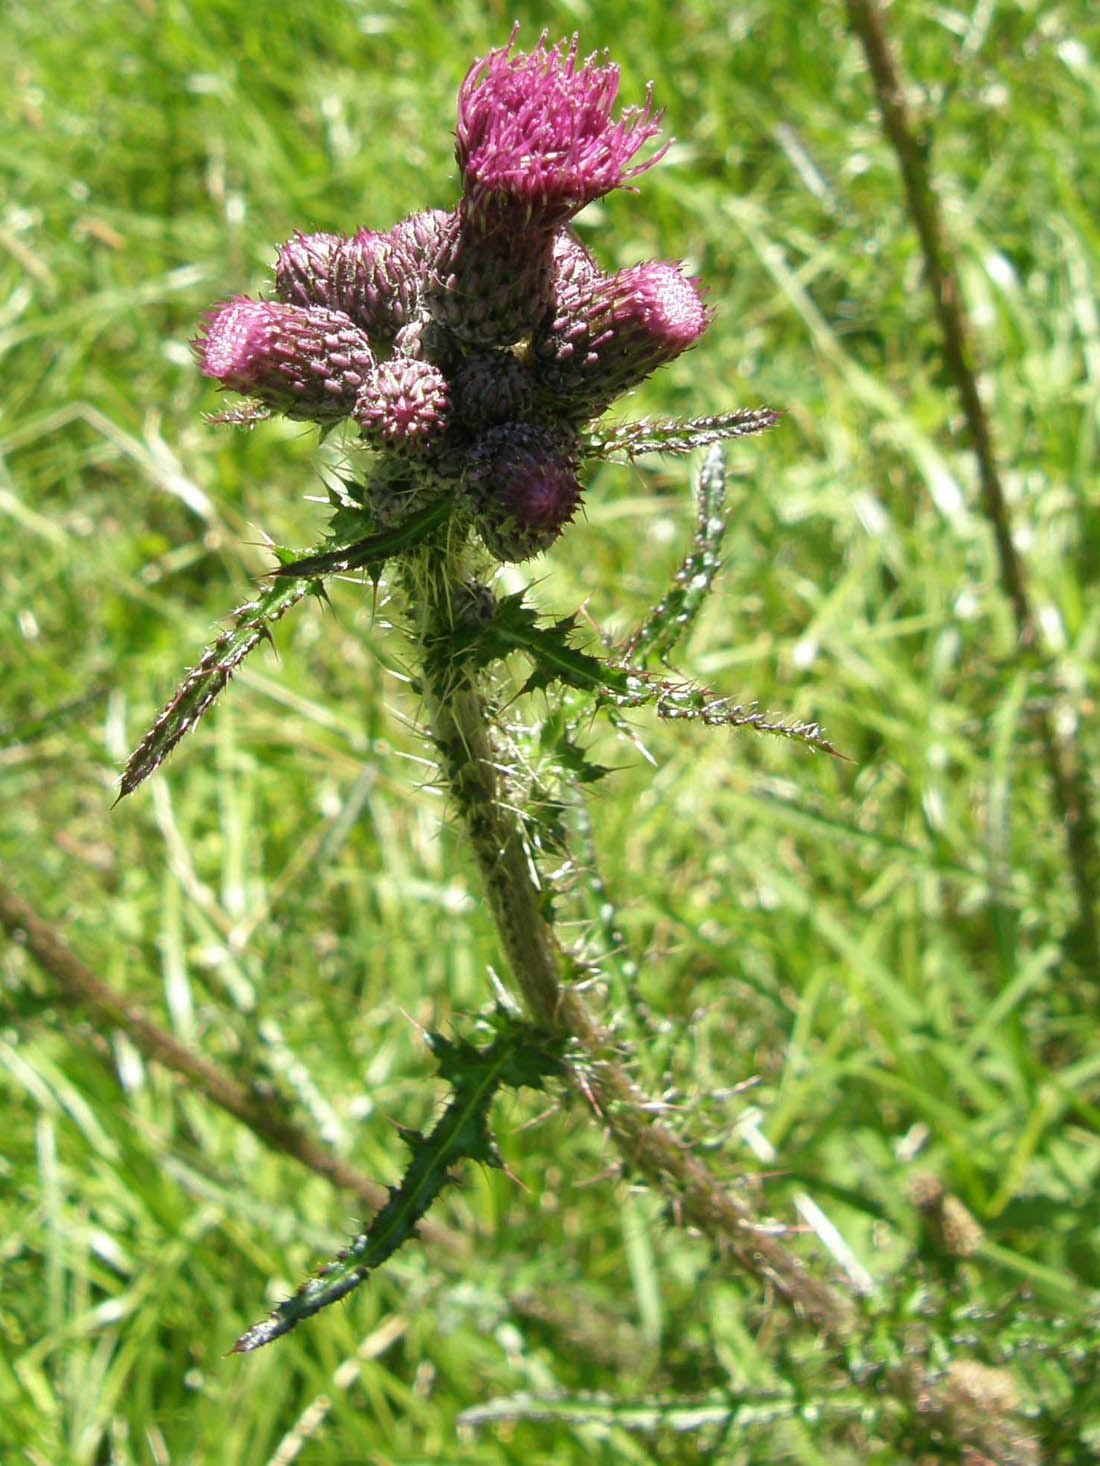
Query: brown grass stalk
point(108, 1009)
point(1065, 767)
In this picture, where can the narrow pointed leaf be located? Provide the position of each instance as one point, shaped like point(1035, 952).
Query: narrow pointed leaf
point(690, 702)
point(209, 675)
point(670, 621)
point(632, 439)
point(375, 549)
point(514, 1058)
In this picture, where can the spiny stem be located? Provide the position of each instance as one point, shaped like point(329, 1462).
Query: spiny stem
point(460, 724)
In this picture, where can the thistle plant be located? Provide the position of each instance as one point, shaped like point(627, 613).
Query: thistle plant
point(475, 350)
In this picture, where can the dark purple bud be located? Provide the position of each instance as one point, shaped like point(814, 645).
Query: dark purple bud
point(610, 335)
point(491, 387)
point(404, 403)
point(536, 140)
point(306, 362)
point(523, 485)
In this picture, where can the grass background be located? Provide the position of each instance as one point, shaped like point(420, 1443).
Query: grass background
point(871, 955)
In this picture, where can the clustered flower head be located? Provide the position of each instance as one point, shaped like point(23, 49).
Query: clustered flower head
point(472, 346)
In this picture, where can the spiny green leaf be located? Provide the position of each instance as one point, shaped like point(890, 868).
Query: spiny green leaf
point(670, 621)
point(512, 625)
point(375, 549)
point(350, 520)
point(557, 661)
point(571, 757)
point(516, 1057)
point(674, 436)
point(545, 825)
point(689, 701)
point(251, 623)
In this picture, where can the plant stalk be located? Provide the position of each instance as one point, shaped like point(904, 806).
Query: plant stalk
point(461, 726)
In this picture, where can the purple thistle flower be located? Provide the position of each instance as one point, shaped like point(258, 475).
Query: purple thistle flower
point(472, 345)
point(523, 486)
point(610, 332)
point(536, 140)
point(404, 403)
point(306, 362)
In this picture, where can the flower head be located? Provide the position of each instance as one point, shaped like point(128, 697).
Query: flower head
point(609, 332)
point(404, 403)
point(536, 136)
point(490, 291)
point(492, 387)
point(304, 361)
point(523, 485)
point(471, 346)
point(376, 279)
point(303, 271)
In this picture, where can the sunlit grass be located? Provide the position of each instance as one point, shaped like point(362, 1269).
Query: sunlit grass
point(875, 949)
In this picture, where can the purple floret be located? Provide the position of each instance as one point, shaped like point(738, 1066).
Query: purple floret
point(536, 136)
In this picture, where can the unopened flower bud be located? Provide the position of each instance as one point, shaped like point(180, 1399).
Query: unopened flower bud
point(975, 1385)
point(404, 403)
point(609, 337)
point(303, 271)
point(926, 1191)
point(418, 237)
point(380, 277)
point(953, 1227)
point(306, 362)
point(575, 272)
point(523, 486)
point(398, 486)
point(427, 340)
point(373, 285)
point(491, 290)
point(490, 388)
point(374, 278)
